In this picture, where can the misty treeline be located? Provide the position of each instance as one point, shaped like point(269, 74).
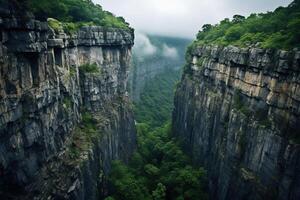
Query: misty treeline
point(279, 29)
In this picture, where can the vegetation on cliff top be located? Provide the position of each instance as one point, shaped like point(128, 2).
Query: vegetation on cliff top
point(279, 29)
point(71, 13)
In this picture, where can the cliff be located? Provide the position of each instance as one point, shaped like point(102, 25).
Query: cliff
point(64, 110)
point(237, 113)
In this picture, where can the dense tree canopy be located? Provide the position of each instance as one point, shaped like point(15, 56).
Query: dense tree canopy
point(158, 170)
point(278, 29)
point(75, 11)
point(156, 103)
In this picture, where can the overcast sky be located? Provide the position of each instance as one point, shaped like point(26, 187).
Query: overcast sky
point(183, 18)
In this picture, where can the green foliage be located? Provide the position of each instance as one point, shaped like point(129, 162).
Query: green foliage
point(275, 40)
point(67, 27)
point(89, 68)
point(278, 29)
point(158, 170)
point(126, 184)
point(234, 33)
point(67, 102)
point(250, 38)
point(151, 170)
point(240, 105)
point(109, 198)
point(88, 123)
point(159, 193)
point(83, 136)
point(201, 61)
point(55, 25)
point(238, 18)
point(79, 11)
point(112, 21)
point(44, 9)
point(206, 27)
point(72, 71)
point(156, 102)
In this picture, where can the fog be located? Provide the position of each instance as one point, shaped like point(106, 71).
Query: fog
point(183, 18)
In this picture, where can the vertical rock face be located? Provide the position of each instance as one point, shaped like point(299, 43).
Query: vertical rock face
point(44, 88)
point(237, 112)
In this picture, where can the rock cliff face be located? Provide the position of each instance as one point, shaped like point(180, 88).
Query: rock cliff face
point(60, 124)
point(237, 112)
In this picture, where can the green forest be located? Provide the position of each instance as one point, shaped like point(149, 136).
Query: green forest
point(69, 14)
point(159, 169)
point(279, 29)
point(156, 102)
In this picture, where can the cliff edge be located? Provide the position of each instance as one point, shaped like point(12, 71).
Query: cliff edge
point(237, 112)
point(64, 109)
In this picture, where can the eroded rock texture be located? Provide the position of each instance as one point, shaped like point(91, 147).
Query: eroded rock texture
point(44, 153)
point(237, 112)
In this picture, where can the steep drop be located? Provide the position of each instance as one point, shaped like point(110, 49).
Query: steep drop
point(64, 113)
point(237, 112)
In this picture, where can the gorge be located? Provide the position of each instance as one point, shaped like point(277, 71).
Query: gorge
point(86, 115)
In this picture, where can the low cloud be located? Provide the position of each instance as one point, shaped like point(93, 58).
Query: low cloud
point(183, 18)
point(143, 46)
point(169, 52)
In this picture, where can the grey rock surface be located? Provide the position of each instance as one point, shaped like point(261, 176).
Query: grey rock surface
point(237, 111)
point(42, 94)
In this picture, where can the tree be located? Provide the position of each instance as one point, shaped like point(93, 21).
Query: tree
point(127, 185)
point(206, 27)
point(238, 18)
point(44, 9)
point(277, 29)
point(79, 11)
point(225, 21)
point(234, 33)
point(167, 172)
point(159, 193)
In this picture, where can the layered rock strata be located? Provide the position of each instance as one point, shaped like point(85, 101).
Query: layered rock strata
point(47, 94)
point(237, 112)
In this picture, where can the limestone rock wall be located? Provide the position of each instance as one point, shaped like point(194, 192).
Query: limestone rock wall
point(237, 111)
point(43, 93)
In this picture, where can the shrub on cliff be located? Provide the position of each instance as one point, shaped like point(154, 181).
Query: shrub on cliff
point(89, 68)
point(55, 25)
point(278, 29)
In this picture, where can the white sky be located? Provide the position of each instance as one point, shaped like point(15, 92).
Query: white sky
point(183, 18)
